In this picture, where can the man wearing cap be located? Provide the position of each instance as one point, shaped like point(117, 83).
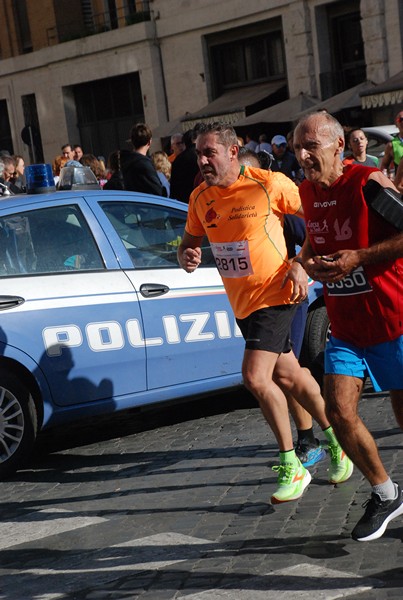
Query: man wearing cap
point(284, 160)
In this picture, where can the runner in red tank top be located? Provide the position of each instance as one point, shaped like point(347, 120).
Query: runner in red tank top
point(357, 256)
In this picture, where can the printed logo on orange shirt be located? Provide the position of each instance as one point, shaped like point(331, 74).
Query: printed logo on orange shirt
point(211, 216)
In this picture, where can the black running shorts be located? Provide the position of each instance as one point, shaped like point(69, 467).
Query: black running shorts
point(268, 328)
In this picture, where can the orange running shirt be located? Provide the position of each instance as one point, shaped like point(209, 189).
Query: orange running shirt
point(244, 225)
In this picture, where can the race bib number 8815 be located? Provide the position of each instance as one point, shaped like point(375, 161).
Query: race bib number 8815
point(232, 259)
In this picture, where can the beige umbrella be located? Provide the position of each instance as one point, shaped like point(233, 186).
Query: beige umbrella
point(348, 99)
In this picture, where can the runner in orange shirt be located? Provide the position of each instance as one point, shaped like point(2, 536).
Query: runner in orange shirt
point(241, 212)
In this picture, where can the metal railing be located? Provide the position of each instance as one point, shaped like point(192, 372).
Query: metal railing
point(98, 23)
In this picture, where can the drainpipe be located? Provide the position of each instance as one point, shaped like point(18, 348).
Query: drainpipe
point(156, 42)
point(10, 40)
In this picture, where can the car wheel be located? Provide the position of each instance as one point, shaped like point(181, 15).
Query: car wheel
point(317, 330)
point(18, 424)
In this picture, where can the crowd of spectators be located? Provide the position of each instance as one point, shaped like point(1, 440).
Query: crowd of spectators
point(173, 171)
point(12, 180)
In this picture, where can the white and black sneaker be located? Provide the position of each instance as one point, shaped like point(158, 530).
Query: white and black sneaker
point(378, 514)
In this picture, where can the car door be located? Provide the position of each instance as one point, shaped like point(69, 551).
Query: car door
point(66, 302)
point(190, 333)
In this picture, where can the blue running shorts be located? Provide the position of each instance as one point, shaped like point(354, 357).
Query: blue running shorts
point(383, 363)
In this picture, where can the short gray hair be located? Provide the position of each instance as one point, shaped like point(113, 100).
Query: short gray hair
point(328, 122)
point(177, 137)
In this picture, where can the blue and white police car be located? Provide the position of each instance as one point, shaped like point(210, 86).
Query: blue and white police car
point(96, 315)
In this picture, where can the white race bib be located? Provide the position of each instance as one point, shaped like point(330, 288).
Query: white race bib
point(232, 258)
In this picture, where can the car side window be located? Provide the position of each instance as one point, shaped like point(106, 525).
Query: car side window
point(151, 234)
point(47, 240)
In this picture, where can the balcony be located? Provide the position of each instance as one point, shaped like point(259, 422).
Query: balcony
point(80, 26)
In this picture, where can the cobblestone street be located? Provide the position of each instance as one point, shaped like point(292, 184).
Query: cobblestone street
point(173, 503)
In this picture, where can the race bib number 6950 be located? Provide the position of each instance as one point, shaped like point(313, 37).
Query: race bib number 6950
point(232, 259)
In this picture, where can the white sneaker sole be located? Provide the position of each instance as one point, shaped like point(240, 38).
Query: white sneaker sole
point(379, 533)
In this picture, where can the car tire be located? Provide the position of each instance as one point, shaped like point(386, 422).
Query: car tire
point(18, 423)
point(317, 329)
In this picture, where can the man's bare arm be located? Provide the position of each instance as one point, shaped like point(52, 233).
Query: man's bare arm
point(387, 250)
point(399, 177)
point(388, 157)
point(189, 252)
point(382, 179)
point(384, 251)
point(307, 250)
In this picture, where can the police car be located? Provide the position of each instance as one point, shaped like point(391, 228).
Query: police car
point(97, 316)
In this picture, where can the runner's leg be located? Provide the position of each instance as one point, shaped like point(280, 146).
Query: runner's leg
point(257, 371)
point(342, 394)
point(397, 405)
point(299, 382)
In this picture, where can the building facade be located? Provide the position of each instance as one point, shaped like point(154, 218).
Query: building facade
point(83, 71)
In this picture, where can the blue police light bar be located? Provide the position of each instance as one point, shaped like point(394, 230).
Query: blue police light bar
point(39, 179)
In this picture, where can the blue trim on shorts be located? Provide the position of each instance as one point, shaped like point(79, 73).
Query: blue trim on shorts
point(383, 363)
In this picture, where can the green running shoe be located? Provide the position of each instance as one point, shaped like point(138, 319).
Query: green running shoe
point(292, 480)
point(341, 467)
